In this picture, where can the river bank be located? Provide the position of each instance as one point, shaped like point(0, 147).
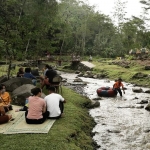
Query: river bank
point(72, 132)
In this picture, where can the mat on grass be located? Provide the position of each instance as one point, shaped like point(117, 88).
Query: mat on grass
point(18, 125)
point(5, 126)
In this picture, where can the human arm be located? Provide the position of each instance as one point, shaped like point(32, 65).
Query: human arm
point(123, 88)
point(44, 107)
point(2, 110)
point(32, 76)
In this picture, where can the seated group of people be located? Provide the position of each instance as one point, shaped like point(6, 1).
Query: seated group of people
point(27, 74)
point(37, 109)
point(48, 75)
point(46, 80)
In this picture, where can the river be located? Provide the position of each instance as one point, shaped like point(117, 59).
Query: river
point(121, 123)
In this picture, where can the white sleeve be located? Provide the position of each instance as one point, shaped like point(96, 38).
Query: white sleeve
point(61, 98)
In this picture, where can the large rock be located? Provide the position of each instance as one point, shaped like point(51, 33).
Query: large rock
point(14, 83)
point(20, 94)
point(148, 107)
point(147, 67)
point(3, 79)
point(137, 90)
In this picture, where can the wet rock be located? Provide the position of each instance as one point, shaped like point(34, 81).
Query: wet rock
point(137, 90)
point(77, 80)
point(148, 107)
point(80, 74)
point(113, 131)
point(147, 91)
point(64, 80)
point(95, 104)
point(143, 102)
point(147, 130)
point(77, 72)
point(97, 99)
point(139, 107)
point(95, 76)
point(148, 146)
point(107, 81)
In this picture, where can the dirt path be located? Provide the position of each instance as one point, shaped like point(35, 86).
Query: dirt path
point(88, 64)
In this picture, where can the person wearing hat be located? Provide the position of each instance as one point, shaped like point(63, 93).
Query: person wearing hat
point(117, 86)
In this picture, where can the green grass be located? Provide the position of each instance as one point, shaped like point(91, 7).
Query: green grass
point(73, 132)
point(115, 71)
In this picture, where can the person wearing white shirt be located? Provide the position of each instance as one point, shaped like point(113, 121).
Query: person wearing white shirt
point(55, 104)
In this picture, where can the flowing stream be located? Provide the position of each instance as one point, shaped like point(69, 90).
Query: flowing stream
point(121, 123)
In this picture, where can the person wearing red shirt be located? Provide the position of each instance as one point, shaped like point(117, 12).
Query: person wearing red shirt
point(117, 86)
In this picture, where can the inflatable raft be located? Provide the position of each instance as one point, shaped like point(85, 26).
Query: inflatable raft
point(106, 92)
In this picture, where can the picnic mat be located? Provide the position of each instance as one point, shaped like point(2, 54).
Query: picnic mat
point(18, 125)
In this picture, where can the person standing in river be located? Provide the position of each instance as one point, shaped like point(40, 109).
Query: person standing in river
point(117, 86)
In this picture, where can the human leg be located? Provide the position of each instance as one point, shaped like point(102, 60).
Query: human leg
point(5, 118)
point(120, 92)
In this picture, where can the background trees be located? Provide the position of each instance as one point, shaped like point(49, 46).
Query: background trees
point(30, 28)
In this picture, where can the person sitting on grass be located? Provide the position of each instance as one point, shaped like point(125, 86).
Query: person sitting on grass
point(117, 86)
point(5, 98)
point(55, 104)
point(36, 113)
point(3, 117)
point(29, 75)
point(20, 73)
point(49, 75)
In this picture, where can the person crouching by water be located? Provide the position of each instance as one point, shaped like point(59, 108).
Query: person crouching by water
point(117, 86)
point(36, 113)
point(55, 104)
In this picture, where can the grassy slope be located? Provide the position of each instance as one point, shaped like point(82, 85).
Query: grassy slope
point(69, 133)
point(115, 71)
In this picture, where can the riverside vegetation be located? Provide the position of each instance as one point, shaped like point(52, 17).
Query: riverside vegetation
point(74, 131)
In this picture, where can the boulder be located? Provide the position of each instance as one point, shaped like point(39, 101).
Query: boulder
point(77, 80)
point(3, 79)
point(14, 83)
point(147, 91)
point(137, 90)
point(148, 107)
point(20, 94)
point(147, 67)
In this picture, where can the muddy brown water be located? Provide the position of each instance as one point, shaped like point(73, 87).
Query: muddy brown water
point(121, 123)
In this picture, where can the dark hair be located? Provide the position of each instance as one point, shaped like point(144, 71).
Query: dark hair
point(1, 87)
point(119, 79)
point(47, 66)
point(20, 69)
point(35, 91)
point(52, 88)
point(27, 70)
